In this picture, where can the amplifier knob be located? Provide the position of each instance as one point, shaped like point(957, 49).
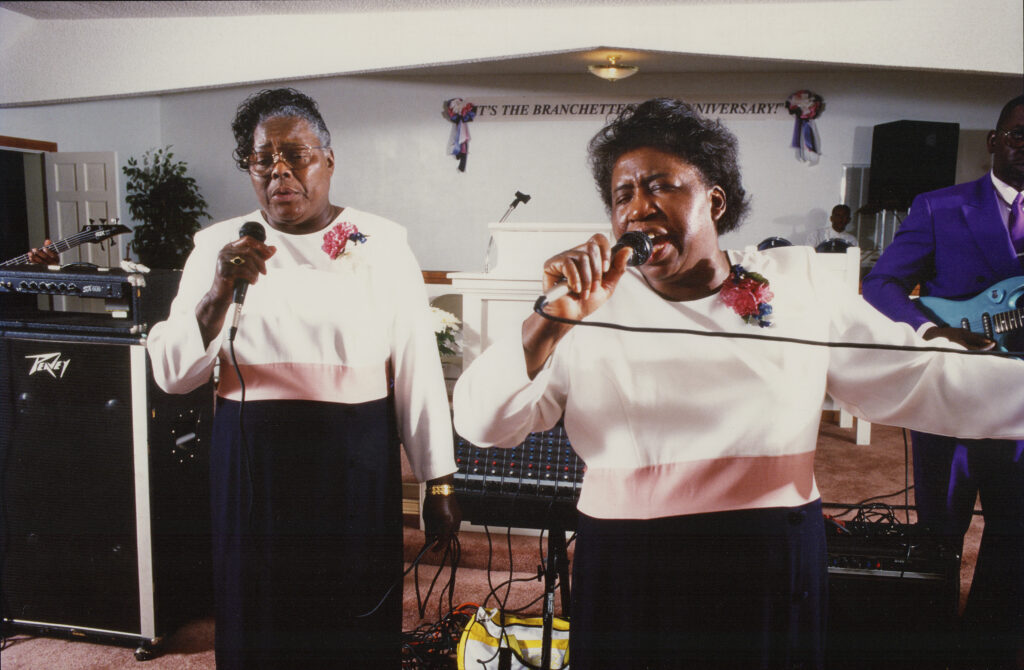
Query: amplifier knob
point(62, 287)
point(23, 286)
point(72, 288)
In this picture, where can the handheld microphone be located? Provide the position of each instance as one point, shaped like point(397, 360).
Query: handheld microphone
point(255, 230)
point(641, 246)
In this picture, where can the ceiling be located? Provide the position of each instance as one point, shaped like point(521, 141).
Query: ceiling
point(194, 8)
point(566, 62)
point(51, 54)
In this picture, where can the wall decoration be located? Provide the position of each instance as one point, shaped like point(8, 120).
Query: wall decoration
point(806, 106)
point(460, 113)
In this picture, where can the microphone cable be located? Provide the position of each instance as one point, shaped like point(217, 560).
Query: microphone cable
point(247, 456)
point(538, 308)
point(452, 556)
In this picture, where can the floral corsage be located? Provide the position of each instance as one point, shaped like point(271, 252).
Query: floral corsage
point(337, 238)
point(748, 295)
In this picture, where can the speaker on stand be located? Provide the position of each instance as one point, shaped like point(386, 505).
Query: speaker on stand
point(907, 158)
point(105, 500)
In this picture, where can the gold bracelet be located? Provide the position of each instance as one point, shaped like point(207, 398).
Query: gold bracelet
point(442, 490)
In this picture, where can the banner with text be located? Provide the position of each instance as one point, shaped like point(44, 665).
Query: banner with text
point(550, 109)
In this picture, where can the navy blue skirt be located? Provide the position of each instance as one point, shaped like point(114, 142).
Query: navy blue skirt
point(744, 589)
point(307, 535)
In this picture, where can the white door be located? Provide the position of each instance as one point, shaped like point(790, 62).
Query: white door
point(82, 188)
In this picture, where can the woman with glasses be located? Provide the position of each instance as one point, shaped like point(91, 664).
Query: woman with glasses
point(956, 243)
point(328, 365)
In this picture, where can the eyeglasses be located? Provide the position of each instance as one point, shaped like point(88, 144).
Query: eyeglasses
point(1014, 136)
point(261, 163)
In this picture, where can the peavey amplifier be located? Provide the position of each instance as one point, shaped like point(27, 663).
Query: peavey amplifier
point(893, 594)
point(533, 485)
point(132, 302)
point(104, 492)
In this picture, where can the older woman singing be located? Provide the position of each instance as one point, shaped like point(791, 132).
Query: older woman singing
point(330, 364)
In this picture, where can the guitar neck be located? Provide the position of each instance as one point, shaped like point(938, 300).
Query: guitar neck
point(59, 247)
point(1005, 322)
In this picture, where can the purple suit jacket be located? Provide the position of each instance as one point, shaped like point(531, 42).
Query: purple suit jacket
point(953, 244)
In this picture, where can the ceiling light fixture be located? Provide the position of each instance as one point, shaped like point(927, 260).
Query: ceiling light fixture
point(613, 71)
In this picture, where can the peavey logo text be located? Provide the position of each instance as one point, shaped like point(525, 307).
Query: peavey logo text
point(50, 363)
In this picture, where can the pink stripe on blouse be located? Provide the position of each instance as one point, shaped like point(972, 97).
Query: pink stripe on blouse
point(697, 487)
point(304, 381)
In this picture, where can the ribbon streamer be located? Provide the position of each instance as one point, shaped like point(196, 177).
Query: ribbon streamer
point(459, 113)
point(806, 106)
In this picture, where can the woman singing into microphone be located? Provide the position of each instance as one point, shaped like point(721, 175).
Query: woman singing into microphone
point(700, 537)
point(338, 364)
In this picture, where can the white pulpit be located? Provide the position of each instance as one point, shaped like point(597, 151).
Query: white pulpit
point(496, 302)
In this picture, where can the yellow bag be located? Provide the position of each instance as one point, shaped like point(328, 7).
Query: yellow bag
point(484, 636)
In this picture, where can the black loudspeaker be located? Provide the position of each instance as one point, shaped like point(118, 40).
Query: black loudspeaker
point(105, 501)
point(893, 597)
point(909, 158)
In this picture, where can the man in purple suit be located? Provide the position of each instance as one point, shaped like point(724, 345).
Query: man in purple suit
point(955, 243)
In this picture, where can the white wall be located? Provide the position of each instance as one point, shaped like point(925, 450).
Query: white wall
point(390, 139)
point(126, 126)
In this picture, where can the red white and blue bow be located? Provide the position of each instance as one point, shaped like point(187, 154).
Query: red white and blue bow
point(460, 113)
point(806, 106)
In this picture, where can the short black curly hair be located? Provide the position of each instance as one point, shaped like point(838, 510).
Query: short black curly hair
point(270, 104)
point(1004, 114)
point(675, 127)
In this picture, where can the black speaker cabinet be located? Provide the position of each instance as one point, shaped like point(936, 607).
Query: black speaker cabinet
point(105, 529)
point(893, 594)
point(909, 158)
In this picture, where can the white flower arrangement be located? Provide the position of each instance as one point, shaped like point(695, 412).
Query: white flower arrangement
point(446, 325)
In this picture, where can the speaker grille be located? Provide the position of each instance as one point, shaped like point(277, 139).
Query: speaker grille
point(71, 535)
point(909, 158)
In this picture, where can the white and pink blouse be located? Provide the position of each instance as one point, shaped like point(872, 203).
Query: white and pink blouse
point(672, 424)
point(319, 329)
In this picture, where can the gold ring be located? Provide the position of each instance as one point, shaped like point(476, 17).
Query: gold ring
point(238, 260)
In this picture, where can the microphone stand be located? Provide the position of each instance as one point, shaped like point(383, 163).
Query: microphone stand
point(520, 198)
point(556, 569)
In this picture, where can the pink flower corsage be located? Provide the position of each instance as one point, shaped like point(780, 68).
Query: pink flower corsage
point(748, 295)
point(338, 237)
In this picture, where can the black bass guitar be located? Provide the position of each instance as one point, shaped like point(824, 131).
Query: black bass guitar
point(91, 233)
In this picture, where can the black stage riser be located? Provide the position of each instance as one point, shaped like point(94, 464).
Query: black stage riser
point(105, 496)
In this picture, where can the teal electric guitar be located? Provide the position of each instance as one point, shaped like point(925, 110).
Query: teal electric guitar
point(997, 312)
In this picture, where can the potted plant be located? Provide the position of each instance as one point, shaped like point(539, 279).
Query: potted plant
point(167, 208)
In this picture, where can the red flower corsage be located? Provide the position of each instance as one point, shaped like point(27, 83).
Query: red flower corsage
point(338, 237)
point(748, 295)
